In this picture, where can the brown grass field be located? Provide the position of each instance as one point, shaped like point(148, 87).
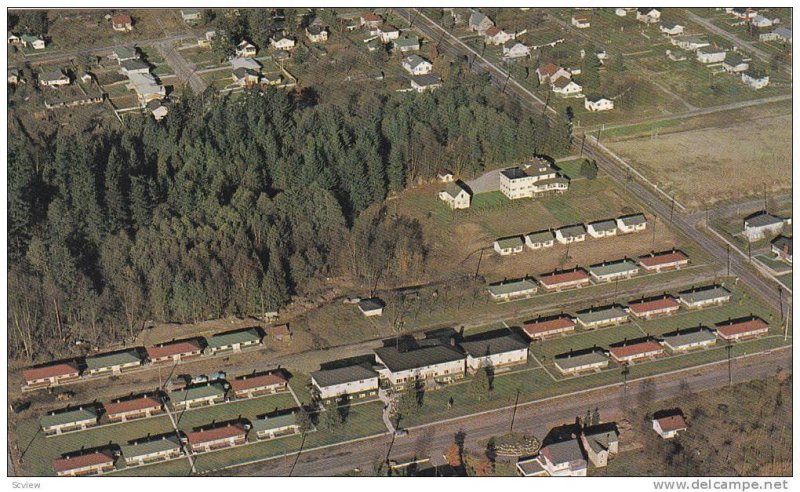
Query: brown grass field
point(733, 160)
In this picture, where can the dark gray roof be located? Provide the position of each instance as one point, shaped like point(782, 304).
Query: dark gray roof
point(613, 268)
point(680, 339)
point(510, 242)
point(631, 220)
point(341, 375)
point(563, 452)
point(134, 64)
point(733, 59)
point(540, 236)
point(396, 361)
point(762, 219)
point(453, 189)
point(601, 314)
point(600, 439)
point(604, 225)
point(68, 417)
point(573, 231)
point(783, 32)
point(370, 304)
point(512, 286)
point(415, 60)
point(569, 361)
point(426, 80)
point(704, 294)
point(514, 173)
point(781, 241)
point(478, 347)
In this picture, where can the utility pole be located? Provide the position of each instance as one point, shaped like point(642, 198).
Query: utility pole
point(671, 210)
point(749, 253)
point(655, 221)
point(786, 326)
point(780, 299)
point(514, 414)
point(625, 371)
point(728, 247)
point(599, 132)
point(728, 347)
point(480, 258)
point(582, 143)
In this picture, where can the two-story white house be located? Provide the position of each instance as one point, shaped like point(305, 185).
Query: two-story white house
point(456, 196)
point(347, 382)
point(437, 363)
point(416, 65)
point(495, 351)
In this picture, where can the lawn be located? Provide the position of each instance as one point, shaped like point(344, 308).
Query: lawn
point(786, 280)
point(770, 261)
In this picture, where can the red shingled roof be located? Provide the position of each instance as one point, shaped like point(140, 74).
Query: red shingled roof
point(562, 278)
point(548, 69)
point(121, 19)
point(170, 349)
point(672, 423)
point(215, 434)
point(279, 330)
point(635, 349)
point(132, 405)
point(492, 31)
point(370, 17)
point(75, 462)
point(655, 305)
point(538, 327)
point(741, 327)
point(663, 259)
point(257, 381)
point(60, 369)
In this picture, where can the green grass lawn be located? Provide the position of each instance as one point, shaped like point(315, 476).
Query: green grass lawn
point(786, 280)
point(769, 260)
point(248, 409)
point(571, 168)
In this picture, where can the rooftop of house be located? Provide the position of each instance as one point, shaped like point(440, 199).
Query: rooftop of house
point(406, 42)
point(493, 31)
point(134, 404)
point(762, 219)
point(783, 242)
point(512, 286)
point(48, 371)
point(634, 349)
point(653, 305)
point(688, 337)
point(563, 277)
point(604, 225)
point(427, 80)
point(663, 258)
point(704, 294)
point(342, 375)
point(174, 348)
point(632, 220)
point(274, 422)
point(250, 382)
point(571, 361)
point(213, 390)
point(600, 314)
point(82, 461)
point(233, 337)
point(613, 268)
point(736, 327)
point(68, 417)
point(563, 82)
point(573, 231)
point(708, 50)
point(733, 59)
point(125, 52)
point(510, 242)
point(241, 62)
point(315, 30)
point(371, 304)
point(670, 24)
point(545, 325)
point(121, 19)
point(672, 423)
point(541, 236)
point(415, 60)
point(144, 448)
point(113, 359)
point(207, 435)
point(51, 75)
point(478, 346)
point(563, 452)
point(783, 32)
point(134, 64)
point(396, 360)
point(601, 437)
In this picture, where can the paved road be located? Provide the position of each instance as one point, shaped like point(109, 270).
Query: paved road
point(62, 55)
point(432, 440)
point(457, 49)
point(184, 70)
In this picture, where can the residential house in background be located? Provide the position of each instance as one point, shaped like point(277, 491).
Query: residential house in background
point(685, 340)
point(572, 364)
point(152, 451)
point(563, 459)
point(566, 87)
point(408, 43)
point(648, 15)
point(755, 79)
point(602, 228)
point(598, 103)
point(427, 82)
point(509, 245)
point(134, 408)
point(191, 15)
point(436, 363)
point(550, 72)
point(233, 341)
point(198, 396)
point(535, 178)
point(494, 352)
point(371, 307)
point(53, 78)
point(496, 36)
point(689, 43)
point(416, 65)
point(371, 20)
point(30, 41)
point(594, 318)
point(124, 53)
point(763, 224)
point(122, 23)
point(514, 49)
point(564, 280)
point(280, 333)
point(206, 440)
point(580, 21)
point(50, 375)
point(12, 76)
point(146, 88)
point(479, 23)
point(710, 54)
point(512, 289)
point(251, 386)
point(135, 65)
point(571, 234)
point(663, 306)
point(80, 418)
point(762, 22)
point(734, 63)
point(456, 195)
point(348, 382)
point(317, 34)
point(609, 272)
point(540, 239)
point(782, 248)
point(95, 463)
point(547, 327)
point(284, 43)
point(671, 28)
point(742, 329)
point(387, 33)
point(175, 351)
point(669, 427)
point(630, 353)
point(276, 426)
point(600, 442)
point(246, 49)
point(632, 223)
point(668, 260)
point(704, 296)
point(113, 363)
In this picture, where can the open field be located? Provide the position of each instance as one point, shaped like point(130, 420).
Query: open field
point(739, 148)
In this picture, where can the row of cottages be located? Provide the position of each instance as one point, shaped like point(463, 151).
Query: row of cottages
point(532, 179)
point(134, 408)
point(494, 351)
point(80, 418)
point(513, 289)
point(95, 463)
point(26, 41)
point(648, 309)
point(174, 352)
point(571, 364)
point(703, 297)
point(689, 42)
point(781, 247)
point(140, 453)
point(637, 351)
point(257, 385)
point(113, 363)
point(198, 396)
point(275, 426)
point(51, 375)
point(53, 78)
point(456, 195)
point(558, 281)
point(763, 224)
point(618, 270)
point(591, 319)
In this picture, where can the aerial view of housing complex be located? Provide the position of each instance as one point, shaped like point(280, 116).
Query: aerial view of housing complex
point(432, 241)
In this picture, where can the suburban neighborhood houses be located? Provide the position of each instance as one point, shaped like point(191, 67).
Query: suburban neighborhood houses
point(432, 241)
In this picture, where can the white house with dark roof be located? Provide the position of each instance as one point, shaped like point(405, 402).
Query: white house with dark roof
point(671, 28)
point(600, 317)
point(479, 22)
point(734, 63)
point(763, 224)
point(348, 382)
point(685, 340)
point(416, 65)
point(427, 82)
point(563, 459)
point(572, 364)
point(600, 442)
point(617, 270)
point(632, 223)
point(566, 87)
point(571, 234)
point(371, 307)
point(710, 54)
point(436, 363)
point(515, 49)
point(496, 351)
point(512, 289)
point(534, 178)
point(598, 103)
point(456, 196)
point(509, 245)
point(602, 228)
point(781, 246)
point(755, 80)
point(704, 296)
point(540, 239)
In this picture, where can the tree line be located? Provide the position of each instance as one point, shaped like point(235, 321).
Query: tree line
point(233, 204)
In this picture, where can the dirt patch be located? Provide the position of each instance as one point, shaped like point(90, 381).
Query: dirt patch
point(706, 166)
